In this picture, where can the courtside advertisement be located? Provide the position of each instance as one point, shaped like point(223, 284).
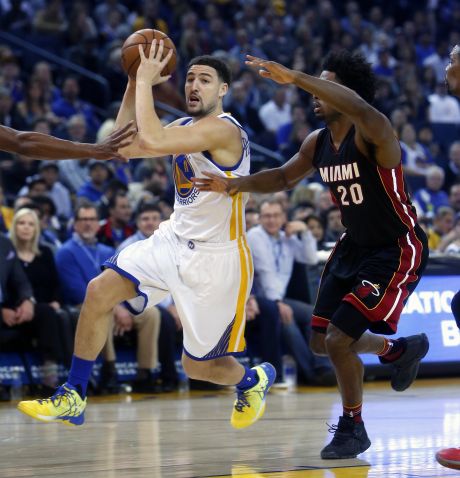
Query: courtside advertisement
point(428, 310)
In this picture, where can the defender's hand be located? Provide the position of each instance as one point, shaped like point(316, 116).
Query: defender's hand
point(271, 70)
point(216, 183)
point(120, 138)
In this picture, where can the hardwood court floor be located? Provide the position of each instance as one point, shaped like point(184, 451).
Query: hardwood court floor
point(189, 435)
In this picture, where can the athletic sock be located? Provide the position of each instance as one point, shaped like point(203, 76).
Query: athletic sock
point(79, 374)
point(353, 412)
point(249, 380)
point(392, 350)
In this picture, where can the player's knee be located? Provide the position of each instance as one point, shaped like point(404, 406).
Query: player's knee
point(94, 291)
point(336, 341)
point(318, 344)
point(107, 290)
point(193, 369)
point(98, 295)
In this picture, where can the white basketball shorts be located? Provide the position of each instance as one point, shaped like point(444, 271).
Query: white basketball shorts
point(209, 282)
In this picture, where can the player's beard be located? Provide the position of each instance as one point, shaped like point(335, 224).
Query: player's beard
point(200, 112)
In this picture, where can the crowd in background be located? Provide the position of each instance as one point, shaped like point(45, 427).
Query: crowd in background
point(408, 47)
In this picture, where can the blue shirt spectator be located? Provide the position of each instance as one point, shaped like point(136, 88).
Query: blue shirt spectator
point(70, 104)
point(80, 258)
point(93, 189)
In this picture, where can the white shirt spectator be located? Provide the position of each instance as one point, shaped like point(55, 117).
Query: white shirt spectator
point(274, 259)
point(443, 109)
point(74, 173)
point(60, 196)
point(438, 64)
point(276, 112)
point(415, 158)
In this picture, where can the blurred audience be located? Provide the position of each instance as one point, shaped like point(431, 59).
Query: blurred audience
point(430, 198)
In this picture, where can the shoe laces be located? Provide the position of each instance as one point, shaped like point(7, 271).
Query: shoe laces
point(59, 396)
point(241, 401)
point(340, 435)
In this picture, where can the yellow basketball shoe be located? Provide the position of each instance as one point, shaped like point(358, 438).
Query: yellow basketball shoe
point(250, 404)
point(65, 406)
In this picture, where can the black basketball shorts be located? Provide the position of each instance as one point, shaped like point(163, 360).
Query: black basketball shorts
point(374, 281)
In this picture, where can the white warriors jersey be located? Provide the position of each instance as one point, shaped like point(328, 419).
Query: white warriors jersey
point(204, 215)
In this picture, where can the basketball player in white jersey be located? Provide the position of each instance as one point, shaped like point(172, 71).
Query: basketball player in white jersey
point(200, 255)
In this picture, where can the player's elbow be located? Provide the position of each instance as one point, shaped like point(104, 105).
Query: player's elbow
point(362, 109)
point(25, 144)
point(143, 143)
point(367, 115)
point(149, 148)
point(283, 181)
point(137, 149)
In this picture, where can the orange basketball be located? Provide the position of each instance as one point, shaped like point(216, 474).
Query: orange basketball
point(130, 59)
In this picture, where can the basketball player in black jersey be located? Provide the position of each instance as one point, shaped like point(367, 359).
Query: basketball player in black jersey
point(450, 457)
point(377, 263)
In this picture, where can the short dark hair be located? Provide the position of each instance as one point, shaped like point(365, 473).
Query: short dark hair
point(148, 206)
point(118, 194)
point(252, 210)
point(330, 209)
point(272, 201)
point(84, 204)
point(43, 201)
point(31, 181)
point(353, 71)
point(315, 218)
point(223, 70)
point(115, 185)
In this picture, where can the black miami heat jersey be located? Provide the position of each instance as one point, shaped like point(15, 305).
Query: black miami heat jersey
point(374, 202)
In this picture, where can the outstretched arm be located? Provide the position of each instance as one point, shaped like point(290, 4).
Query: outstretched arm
point(153, 139)
point(268, 181)
point(126, 113)
point(43, 146)
point(371, 125)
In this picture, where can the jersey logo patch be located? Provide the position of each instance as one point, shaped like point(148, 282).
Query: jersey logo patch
point(367, 288)
point(183, 171)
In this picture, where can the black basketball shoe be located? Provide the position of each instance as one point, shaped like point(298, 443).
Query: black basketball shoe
point(350, 439)
point(405, 367)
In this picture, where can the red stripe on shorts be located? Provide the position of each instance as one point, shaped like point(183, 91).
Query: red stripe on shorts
point(390, 306)
point(317, 321)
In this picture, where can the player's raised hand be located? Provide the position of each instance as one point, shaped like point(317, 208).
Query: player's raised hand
point(216, 183)
point(270, 69)
point(120, 138)
point(150, 67)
